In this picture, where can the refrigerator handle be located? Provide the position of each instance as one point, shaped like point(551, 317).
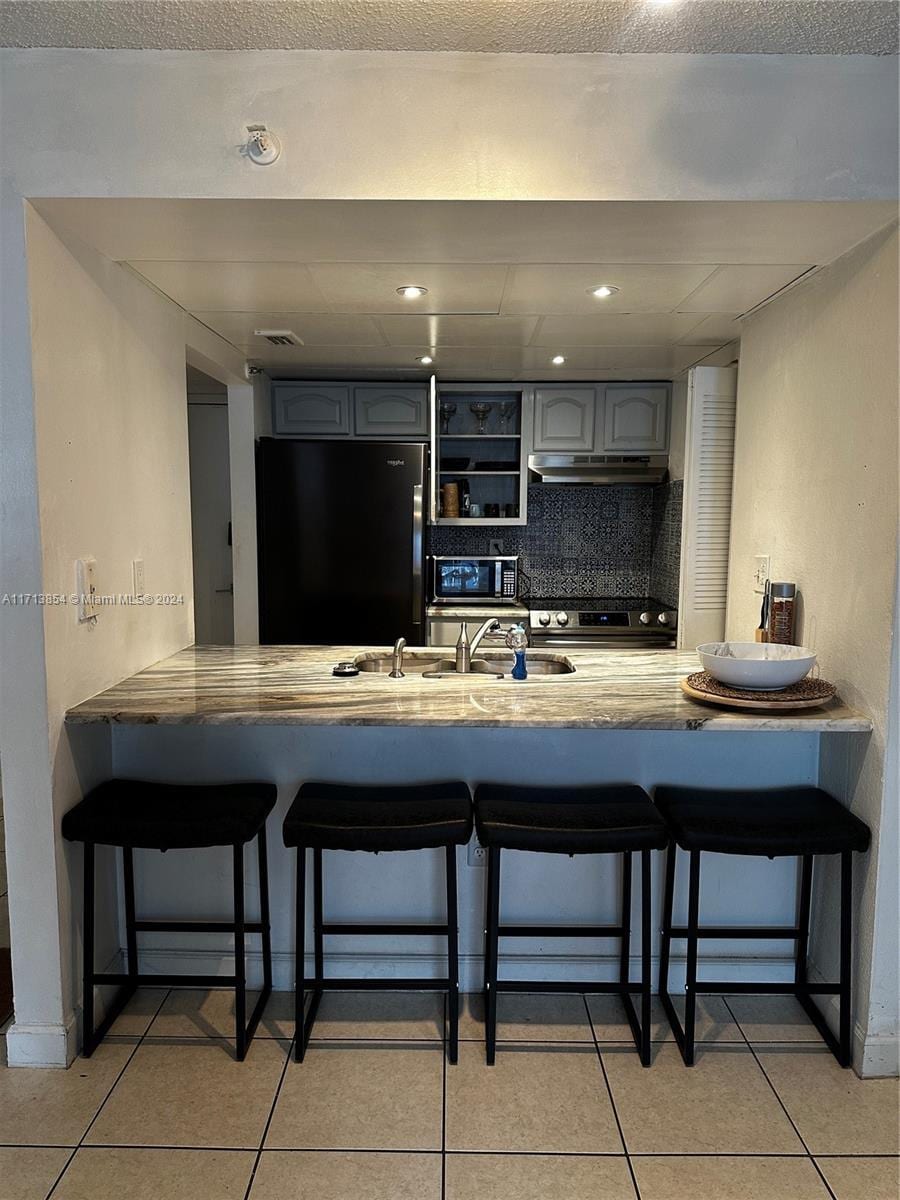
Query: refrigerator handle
point(417, 566)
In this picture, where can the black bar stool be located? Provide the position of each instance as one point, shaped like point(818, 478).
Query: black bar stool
point(164, 816)
point(332, 816)
point(616, 819)
point(801, 822)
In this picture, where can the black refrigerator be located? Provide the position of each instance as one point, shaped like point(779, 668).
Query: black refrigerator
point(340, 542)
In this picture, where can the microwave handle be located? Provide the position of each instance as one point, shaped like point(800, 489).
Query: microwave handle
point(417, 542)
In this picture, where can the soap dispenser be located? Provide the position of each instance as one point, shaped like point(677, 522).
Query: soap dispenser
point(517, 640)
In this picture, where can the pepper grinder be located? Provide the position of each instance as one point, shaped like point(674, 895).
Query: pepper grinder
point(782, 613)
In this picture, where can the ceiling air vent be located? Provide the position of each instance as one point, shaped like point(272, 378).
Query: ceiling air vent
point(279, 337)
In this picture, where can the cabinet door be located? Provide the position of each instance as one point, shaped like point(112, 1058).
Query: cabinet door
point(636, 417)
point(311, 409)
point(391, 412)
point(564, 418)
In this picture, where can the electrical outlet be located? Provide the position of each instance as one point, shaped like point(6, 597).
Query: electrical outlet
point(137, 577)
point(495, 547)
point(476, 855)
point(761, 573)
point(86, 588)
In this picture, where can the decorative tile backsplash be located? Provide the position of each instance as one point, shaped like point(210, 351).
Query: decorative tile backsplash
point(583, 540)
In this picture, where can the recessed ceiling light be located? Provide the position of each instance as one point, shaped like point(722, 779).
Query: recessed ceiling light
point(411, 291)
point(557, 360)
point(426, 360)
point(602, 290)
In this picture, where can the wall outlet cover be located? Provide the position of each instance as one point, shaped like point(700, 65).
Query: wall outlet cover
point(495, 547)
point(137, 577)
point(476, 855)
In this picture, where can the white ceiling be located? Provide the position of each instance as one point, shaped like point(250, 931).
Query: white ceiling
point(507, 282)
point(497, 26)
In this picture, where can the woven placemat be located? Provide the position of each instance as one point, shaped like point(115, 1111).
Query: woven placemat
point(806, 690)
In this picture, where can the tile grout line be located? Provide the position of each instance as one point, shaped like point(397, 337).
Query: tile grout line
point(275, 1099)
point(103, 1103)
point(749, 1045)
point(634, 1182)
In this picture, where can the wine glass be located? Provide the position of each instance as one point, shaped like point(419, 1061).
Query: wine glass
point(507, 408)
point(480, 410)
point(448, 410)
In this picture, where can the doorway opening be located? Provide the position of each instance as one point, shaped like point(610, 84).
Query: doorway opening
point(208, 449)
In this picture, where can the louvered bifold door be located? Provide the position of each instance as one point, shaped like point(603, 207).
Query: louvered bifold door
point(706, 529)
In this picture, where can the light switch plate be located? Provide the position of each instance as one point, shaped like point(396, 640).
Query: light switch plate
point(137, 577)
point(86, 588)
point(761, 572)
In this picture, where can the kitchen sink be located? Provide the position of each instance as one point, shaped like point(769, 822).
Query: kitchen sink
point(493, 663)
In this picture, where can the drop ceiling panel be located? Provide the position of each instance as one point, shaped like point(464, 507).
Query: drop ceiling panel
point(598, 358)
point(564, 288)
point(235, 286)
point(616, 329)
point(313, 329)
point(715, 329)
point(458, 330)
point(372, 287)
point(739, 288)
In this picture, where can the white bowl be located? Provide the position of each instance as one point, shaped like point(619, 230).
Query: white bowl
point(757, 666)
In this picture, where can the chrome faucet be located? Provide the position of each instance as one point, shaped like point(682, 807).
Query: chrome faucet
point(466, 649)
point(397, 659)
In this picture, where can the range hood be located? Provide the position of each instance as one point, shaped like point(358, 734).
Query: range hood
point(599, 468)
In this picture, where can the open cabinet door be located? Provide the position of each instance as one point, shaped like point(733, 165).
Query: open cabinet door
point(706, 523)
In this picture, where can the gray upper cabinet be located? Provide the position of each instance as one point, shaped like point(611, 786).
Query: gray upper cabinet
point(564, 418)
point(636, 418)
point(398, 411)
point(311, 409)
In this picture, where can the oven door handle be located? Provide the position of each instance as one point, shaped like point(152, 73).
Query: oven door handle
point(603, 641)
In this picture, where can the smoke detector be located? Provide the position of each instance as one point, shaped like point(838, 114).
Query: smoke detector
point(279, 337)
point(263, 147)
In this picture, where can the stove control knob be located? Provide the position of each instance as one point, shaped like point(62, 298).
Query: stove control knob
point(664, 618)
point(646, 618)
point(562, 618)
point(544, 618)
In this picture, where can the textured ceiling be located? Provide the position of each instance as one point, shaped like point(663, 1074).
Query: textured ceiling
point(496, 26)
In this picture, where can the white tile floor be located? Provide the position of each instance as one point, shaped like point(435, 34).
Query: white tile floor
point(375, 1113)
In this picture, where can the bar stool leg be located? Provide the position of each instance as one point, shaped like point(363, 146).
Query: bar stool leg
point(264, 915)
point(492, 938)
point(625, 943)
point(130, 932)
point(690, 999)
point(87, 1000)
point(318, 914)
point(452, 957)
point(846, 1053)
point(240, 968)
point(806, 866)
point(665, 942)
point(646, 961)
point(299, 958)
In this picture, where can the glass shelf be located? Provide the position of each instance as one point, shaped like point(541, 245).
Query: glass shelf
point(467, 473)
point(480, 437)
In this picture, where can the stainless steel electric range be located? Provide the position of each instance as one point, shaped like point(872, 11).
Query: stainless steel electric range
point(636, 622)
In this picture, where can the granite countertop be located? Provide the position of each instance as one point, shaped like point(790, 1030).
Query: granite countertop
point(293, 685)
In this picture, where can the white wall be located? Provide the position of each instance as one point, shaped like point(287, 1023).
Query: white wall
point(816, 486)
point(110, 430)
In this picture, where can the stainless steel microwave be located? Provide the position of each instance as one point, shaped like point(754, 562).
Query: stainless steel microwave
point(489, 580)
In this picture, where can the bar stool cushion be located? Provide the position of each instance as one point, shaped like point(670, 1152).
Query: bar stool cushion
point(781, 821)
point(568, 820)
point(336, 816)
point(170, 816)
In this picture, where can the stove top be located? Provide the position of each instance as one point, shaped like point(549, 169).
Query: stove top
point(603, 619)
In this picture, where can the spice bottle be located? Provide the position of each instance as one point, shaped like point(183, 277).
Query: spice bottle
point(782, 612)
